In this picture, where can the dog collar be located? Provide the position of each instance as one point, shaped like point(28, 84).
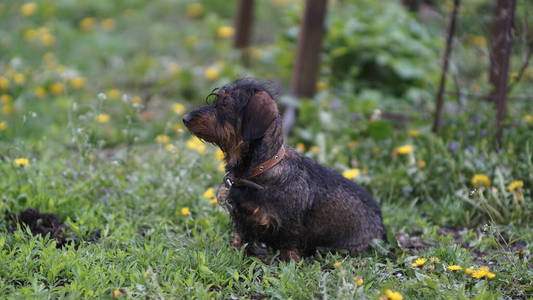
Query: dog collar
point(230, 180)
point(269, 163)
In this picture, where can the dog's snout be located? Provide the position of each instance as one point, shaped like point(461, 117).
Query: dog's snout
point(187, 118)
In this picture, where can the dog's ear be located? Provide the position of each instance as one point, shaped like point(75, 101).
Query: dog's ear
point(260, 112)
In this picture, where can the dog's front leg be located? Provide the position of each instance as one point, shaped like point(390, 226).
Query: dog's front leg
point(291, 254)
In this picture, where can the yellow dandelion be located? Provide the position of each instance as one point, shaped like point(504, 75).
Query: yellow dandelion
point(162, 139)
point(314, 149)
point(490, 275)
point(358, 280)
point(178, 108)
point(213, 201)
point(221, 167)
point(211, 73)
point(195, 10)
point(515, 185)
point(300, 147)
point(469, 271)
point(48, 39)
point(5, 99)
point(57, 88)
point(87, 23)
point(528, 118)
point(392, 295)
point(170, 148)
point(185, 211)
point(77, 82)
point(108, 24)
point(337, 264)
point(195, 143)
point(421, 164)
point(136, 100)
point(419, 262)
point(22, 162)
point(480, 272)
point(113, 94)
point(3, 125)
point(209, 193)
point(177, 128)
point(351, 173)
point(480, 179)
point(19, 78)
point(103, 118)
point(225, 31)
point(4, 83)
point(405, 149)
point(414, 132)
point(219, 154)
point(28, 9)
point(40, 92)
point(454, 268)
point(321, 85)
point(7, 109)
point(116, 293)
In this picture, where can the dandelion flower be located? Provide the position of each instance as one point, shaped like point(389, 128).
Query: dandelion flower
point(28, 9)
point(7, 109)
point(225, 31)
point(48, 39)
point(211, 73)
point(162, 139)
point(351, 173)
point(219, 154)
point(113, 94)
point(414, 132)
point(4, 83)
point(421, 164)
point(116, 293)
point(195, 143)
point(195, 10)
point(40, 92)
point(337, 264)
point(528, 118)
point(136, 100)
point(77, 82)
point(405, 149)
point(5, 99)
point(221, 167)
point(87, 23)
point(300, 147)
point(3, 125)
point(103, 118)
point(57, 88)
point(392, 295)
point(454, 268)
point(321, 85)
point(480, 179)
point(480, 272)
point(314, 149)
point(21, 162)
point(108, 24)
point(419, 262)
point(515, 185)
point(178, 108)
point(177, 128)
point(358, 280)
point(209, 193)
point(213, 201)
point(19, 78)
point(170, 148)
point(469, 271)
point(490, 275)
point(185, 211)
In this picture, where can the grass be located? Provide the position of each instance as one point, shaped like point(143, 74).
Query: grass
point(137, 221)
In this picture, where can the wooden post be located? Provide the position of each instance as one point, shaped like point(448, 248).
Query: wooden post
point(243, 27)
point(501, 45)
point(445, 63)
point(305, 72)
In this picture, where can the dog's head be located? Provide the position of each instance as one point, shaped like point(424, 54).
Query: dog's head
point(239, 114)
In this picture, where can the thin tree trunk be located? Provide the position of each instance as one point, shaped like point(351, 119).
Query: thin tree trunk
point(305, 72)
point(445, 63)
point(501, 46)
point(243, 27)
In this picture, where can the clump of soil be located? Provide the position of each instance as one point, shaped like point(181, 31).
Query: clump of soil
point(43, 224)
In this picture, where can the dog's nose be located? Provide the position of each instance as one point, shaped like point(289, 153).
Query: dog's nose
point(187, 118)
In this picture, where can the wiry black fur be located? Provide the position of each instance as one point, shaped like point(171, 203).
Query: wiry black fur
point(303, 205)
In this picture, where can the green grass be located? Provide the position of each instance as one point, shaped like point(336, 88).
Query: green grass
point(114, 179)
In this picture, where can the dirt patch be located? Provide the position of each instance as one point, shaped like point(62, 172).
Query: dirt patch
point(44, 224)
